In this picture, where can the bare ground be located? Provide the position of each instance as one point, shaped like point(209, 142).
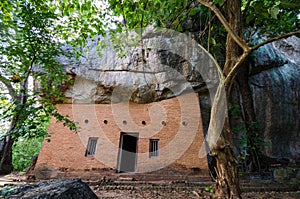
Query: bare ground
point(166, 190)
point(184, 194)
point(192, 191)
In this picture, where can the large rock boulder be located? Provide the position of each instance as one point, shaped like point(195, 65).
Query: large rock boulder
point(168, 64)
point(56, 189)
point(275, 86)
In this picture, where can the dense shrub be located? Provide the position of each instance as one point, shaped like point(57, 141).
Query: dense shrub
point(24, 150)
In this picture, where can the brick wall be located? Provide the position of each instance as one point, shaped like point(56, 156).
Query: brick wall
point(175, 122)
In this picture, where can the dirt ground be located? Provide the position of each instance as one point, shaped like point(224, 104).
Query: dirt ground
point(167, 190)
point(185, 194)
point(182, 191)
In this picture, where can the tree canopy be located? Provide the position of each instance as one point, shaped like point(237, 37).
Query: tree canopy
point(29, 46)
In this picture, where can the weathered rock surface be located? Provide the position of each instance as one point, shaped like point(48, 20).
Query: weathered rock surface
point(275, 91)
point(56, 189)
point(157, 69)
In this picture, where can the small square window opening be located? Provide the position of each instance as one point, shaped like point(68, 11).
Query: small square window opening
point(154, 148)
point(91, 146)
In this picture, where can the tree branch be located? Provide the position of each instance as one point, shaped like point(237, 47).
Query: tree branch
point(246, 54)
point(275, 39)
point(210, 21)
point(226, 25)
point(24, 88)
point(247, 50)
point(8, 85)
point(236, 67)
point(186, 8)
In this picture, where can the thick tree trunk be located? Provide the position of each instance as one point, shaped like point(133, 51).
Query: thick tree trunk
point(6, 165)
point(233, 51)
point(250, 118)
point(227, 182)
point(247, 102)
point(219, 139)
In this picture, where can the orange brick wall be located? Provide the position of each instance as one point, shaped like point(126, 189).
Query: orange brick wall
point(180, 139)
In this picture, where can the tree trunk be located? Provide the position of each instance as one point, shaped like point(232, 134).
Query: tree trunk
point(250, 119)
point(227, 183)
point(233, 51)
point(6, 165)
point(219, 139)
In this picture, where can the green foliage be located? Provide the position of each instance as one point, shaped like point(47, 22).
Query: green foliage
point(82, 19)
point(234, 111)
point(30, 45)
point(24, 150)
point(32, 36)
point(165, 14)
point(209, 188)
point(271, 17)
point(251, 144)
point(240, 128)
point(251, 141)
point(266, 17)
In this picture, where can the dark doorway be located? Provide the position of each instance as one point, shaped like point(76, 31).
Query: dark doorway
point(127, 152)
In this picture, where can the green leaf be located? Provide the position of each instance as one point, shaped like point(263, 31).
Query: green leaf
point(218, 2)
point(274, 11)
point(193, 12)
point(292, 4)
point(213, 41)
point(250, 18)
